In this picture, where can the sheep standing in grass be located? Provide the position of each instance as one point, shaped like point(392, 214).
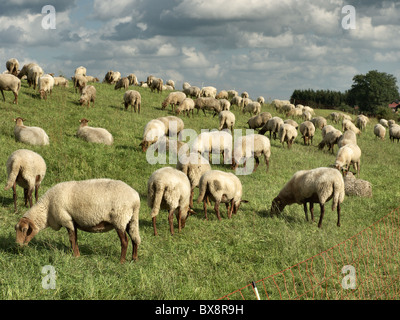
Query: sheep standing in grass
point(330, 139)
point(251, 146)
point(384, 123)
point(220, 186)
point(312, 186)
point(348, 125)
point(192, 91)
point(26, 169)
point(97, 205)
point(46, 85)
point(361, 122)
point(319, 122)
point(174, 99)
point(156, 84)
point(207, 103)
point(186, 105)
point(31, 135)
point(226, 120)
point(287, 133)
point(379, 131)
point(12, 66)
point(122, 83)
point(348, 137)
point(88, 95)
point(9, 82)
point(134, 99)
point(214, 142)
point(208, 92)
point(79, 82)
point(259, 120)
point(34, 74)
point(236, 101)
point(132, 79)
point(261, 100)
point(307, 130)
point(61, 81)
point(394, 132)
point(272, 126)
point(173, 125)
point(94, 135)
point(153, 130)
point(253, 107)
point(169, 188)
point(350, 154)
point(194, 166)
point(225, 104)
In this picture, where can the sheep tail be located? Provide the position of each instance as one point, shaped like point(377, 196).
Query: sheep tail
point(133, 226)
point(202, 190)
point(12, 177)
point(283, 135)
point(157, 195)
point(337, 195)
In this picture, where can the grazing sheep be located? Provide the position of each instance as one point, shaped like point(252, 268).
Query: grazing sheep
point(292, 122)
point(9, 82)
point(61, 81)
point(278, 104)
point(169, 188)
point(132, 79)
point(379, 131)
point(261, 100)
point(173, 99)
point(214, 142)
point(220, 186)
point(194, 166)
point(122, 83)
point(91, 79)
point(307, 130)
point(287, 133)
point(253, 145)
point(173, 125)
point(348, 137)
point(348, 125)
point(272, 126)
point(34, 74)
point(204, 103)
point(350, 154)
point(26, 169)
point(88, 95)
point(112, 77)
point(171, 83)
point(361, 122)
point(259, 120)
point(319, 122)
point(96, 205)
point(394, 132)
point(192, 91)
point(253, 107)
point(186, 105)
point(312, 186)
point(334, 116)
point(225, 104)
point(24, 71)
point(31, 135)
point(12, 66)
point(185, 85)
point(226, 120)
point(245, 94)
point(384, 123)
point(390, 122)
point(79, 82)
point(236, 101)
point(208, 92)
point(330, 139)
point(95, 135)
point(134, 99)
point(232, 93)
point(327, 129)
point(156, 84)
point(80, 71)
point(357, 187)
point(306, 115)
point(153, 130)
point(223, 94)
point(244, 103)
point(46, 85)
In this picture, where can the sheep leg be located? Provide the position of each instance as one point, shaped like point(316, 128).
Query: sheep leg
point(216, 208)
point(191, 199)
point(231, 210)
point(338, 215)
point(257, 163)
point(15, 196)
point(305, 210)
point(322, 215)
point(26, 197)
point(171, 221)
point(312, 211)
point(30, 197)
point(124, 244)
point(15, 97)
point(205, 207)
point(154, 226)
point(73, 239)
point(4, 98)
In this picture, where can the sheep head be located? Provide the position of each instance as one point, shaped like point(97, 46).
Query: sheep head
point(277, 206)
point(25, 230)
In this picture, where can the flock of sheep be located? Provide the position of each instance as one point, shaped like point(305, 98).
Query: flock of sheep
point(100, 205)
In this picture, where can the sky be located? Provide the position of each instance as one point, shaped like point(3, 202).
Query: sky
point(268, 48)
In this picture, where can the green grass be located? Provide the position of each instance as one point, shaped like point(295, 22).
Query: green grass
point(208, 259)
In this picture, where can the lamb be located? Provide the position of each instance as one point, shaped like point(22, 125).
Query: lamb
point(134, 99)
point(379, 131)
point(214, 142)
point(208, 92)
point(287, 133)
point(312, 186)
point(194, 166)
point(46, 85)
point(186, 105)
point(350, 154)
point(307, 129)
point(357, 187)
point(220, 186)
point(226, 120)
point(27, 169)
point(330, 139)
point(348, 137)
point(122, 83)
point(253, 107)
point(156, 84)
point(12, 66)
point(259, 120)
point(96, 205)
point(153, 130)
point(348, 125)
point(9, 82)
point(272, 126)
point(319, 122)
point(203, 103)
point(88, 95)
point(132, 79)
point(31, 135)
point(253, 145)
point(61, 81)
point(79, 82)
point(394, 132)
point(169, 188)
point(173, 99)
point(95, 135)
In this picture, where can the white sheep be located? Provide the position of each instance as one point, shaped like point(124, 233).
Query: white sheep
point(312, 186)
point(122, 83)
point(357, 187)
point(171, 83)
point(220, 186)
point(134, 99)
point(156, 84)
point(169, 188)
point(251, 146)
point(306, 115)
point(91, 79)
point(394, 132)
point(31, 135)
point(88, 95)
point(319, 122)
point(272, 126)
point(287, 133)
point(192, 91)
point(9, 82)
point(112, 77)
point(34, 74)
point(330, 139)
point(361, 122)
point(26, 169)
point(253, 107)
point(225, 104)
point(236, 101)
point(46, 85)
point(79, 82)
point(350, 154)
point(379, 131)
point(291, 122)
point(348, 125)
point(61, 81)
point(153, 130)
point(12, 66)
point(173, 99)
point(96, 205)
point(94, 135)
point(24, 71)
point(245, 94)
point(132, 79)
point(208, 92)
point(261, 100)
point(384, 123)
point(80, 71)
point(194, 166)
point(348, 137)
point(223, 94)
point(259, 120)
point(307, 130)
point(186, 105)
point(207, 103)
point(226, 120)
point(173, 125)
point(215, 143)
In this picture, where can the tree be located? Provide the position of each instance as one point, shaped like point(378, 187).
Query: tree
point(373, 90)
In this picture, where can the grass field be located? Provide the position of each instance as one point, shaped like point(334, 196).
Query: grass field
point(208, 259)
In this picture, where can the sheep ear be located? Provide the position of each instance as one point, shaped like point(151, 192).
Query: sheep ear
point(191, 211)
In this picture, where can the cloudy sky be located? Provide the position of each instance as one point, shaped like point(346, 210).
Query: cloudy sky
point(265, 47)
